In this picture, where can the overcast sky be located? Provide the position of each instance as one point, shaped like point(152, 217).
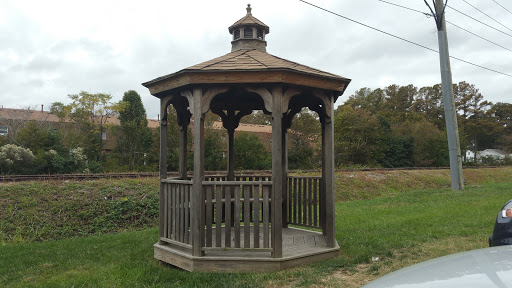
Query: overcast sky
point(49, 49)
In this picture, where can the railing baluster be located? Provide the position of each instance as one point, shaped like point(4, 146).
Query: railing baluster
point(218, 215)
point(256, 205)
point(310, 197)
point(209, 215)
point(237, 216)
point(227, 225)
point(295, 200)
point(187, 213)
point(247, 223)
point(180, 219)
point(266, 215)
point(315, 202)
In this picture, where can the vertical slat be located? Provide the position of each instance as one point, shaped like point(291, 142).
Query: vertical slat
point(310, 196)
point(227, 229)
point(299, 205)
point(165, 220)
point(218, 215)
point(304, 201)
point(251, 204)
point(295, 200)
point(169, 210)
point(290, 199)
point(315, 202)
point(256, 217)
point(209, 215)
point(266, 215)
point(180, 219)
point(237, 216)
point(187, 213)
point(173, 214)
point(247, 223)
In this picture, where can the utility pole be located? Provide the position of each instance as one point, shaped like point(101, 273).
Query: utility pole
point(450, 113)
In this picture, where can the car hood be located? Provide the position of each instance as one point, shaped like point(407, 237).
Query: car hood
point(488, 267)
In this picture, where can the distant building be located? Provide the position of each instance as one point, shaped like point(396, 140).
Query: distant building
point(487, 153)
point(12, 120)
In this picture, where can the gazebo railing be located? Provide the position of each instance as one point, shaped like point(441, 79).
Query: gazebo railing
point(177, 198)
point(303, 201)
point(237, 215)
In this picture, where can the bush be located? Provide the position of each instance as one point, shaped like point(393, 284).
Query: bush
point(15, 159)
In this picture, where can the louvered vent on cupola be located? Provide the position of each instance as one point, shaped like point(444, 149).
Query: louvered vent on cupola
point(259, 34)
point(248, 33)
point(237, 34)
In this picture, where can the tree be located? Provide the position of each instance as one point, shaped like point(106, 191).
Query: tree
point(300, 153)
point(430, 147)
point(367, 99)
point(214, 151)
point(250, 153)
point(356, 136)
point(304, 139)
point(134, 137)
point(399, 100)
point(257, 117)
point(89, 112)
point(502, 113)
point(429, 101)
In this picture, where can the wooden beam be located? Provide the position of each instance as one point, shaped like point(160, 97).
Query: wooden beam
point(277, 171)
point(163, 168)
point(285, 176)
point(330, 235)
point(197, 195)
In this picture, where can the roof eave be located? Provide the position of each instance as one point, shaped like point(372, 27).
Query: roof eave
point(180, 79)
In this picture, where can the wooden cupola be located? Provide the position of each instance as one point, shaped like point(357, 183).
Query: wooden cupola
point(248, 33)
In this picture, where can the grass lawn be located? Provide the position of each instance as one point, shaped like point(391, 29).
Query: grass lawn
point(399, 228)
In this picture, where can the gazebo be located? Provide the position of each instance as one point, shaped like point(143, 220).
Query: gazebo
point(236, 223)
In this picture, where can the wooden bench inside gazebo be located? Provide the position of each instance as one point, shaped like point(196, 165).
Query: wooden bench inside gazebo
point(237, 223)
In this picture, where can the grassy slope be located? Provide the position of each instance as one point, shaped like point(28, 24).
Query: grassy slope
point(399, 228)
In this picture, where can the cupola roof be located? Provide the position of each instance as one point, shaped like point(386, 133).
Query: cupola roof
point(249, 20)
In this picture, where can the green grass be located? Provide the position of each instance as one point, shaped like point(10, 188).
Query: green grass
point(400, 229)
point(37, 211)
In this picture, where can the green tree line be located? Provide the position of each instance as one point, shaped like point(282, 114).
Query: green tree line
point(394, 126)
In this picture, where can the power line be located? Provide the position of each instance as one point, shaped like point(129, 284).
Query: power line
point(400, 38)
point(429, 15)
point(487, 15)
point(394, 4)
point(502, 6)
point(479, 36)
point(479, 21)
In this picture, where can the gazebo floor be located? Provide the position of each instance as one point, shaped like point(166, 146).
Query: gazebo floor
point(299, 247)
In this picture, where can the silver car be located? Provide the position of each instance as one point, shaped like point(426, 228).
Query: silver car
point(488, 267)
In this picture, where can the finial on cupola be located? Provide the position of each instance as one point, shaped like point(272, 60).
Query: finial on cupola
point(248, 8)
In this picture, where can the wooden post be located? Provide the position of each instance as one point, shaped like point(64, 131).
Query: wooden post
point(322, 200)
point(277, 171)
point(197, 187)
point(231, 154)
point(328, 145)
point(285, 176)
point(163, 167)
point(183, 153)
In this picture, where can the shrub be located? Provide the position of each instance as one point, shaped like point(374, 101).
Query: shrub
point(15, 159)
